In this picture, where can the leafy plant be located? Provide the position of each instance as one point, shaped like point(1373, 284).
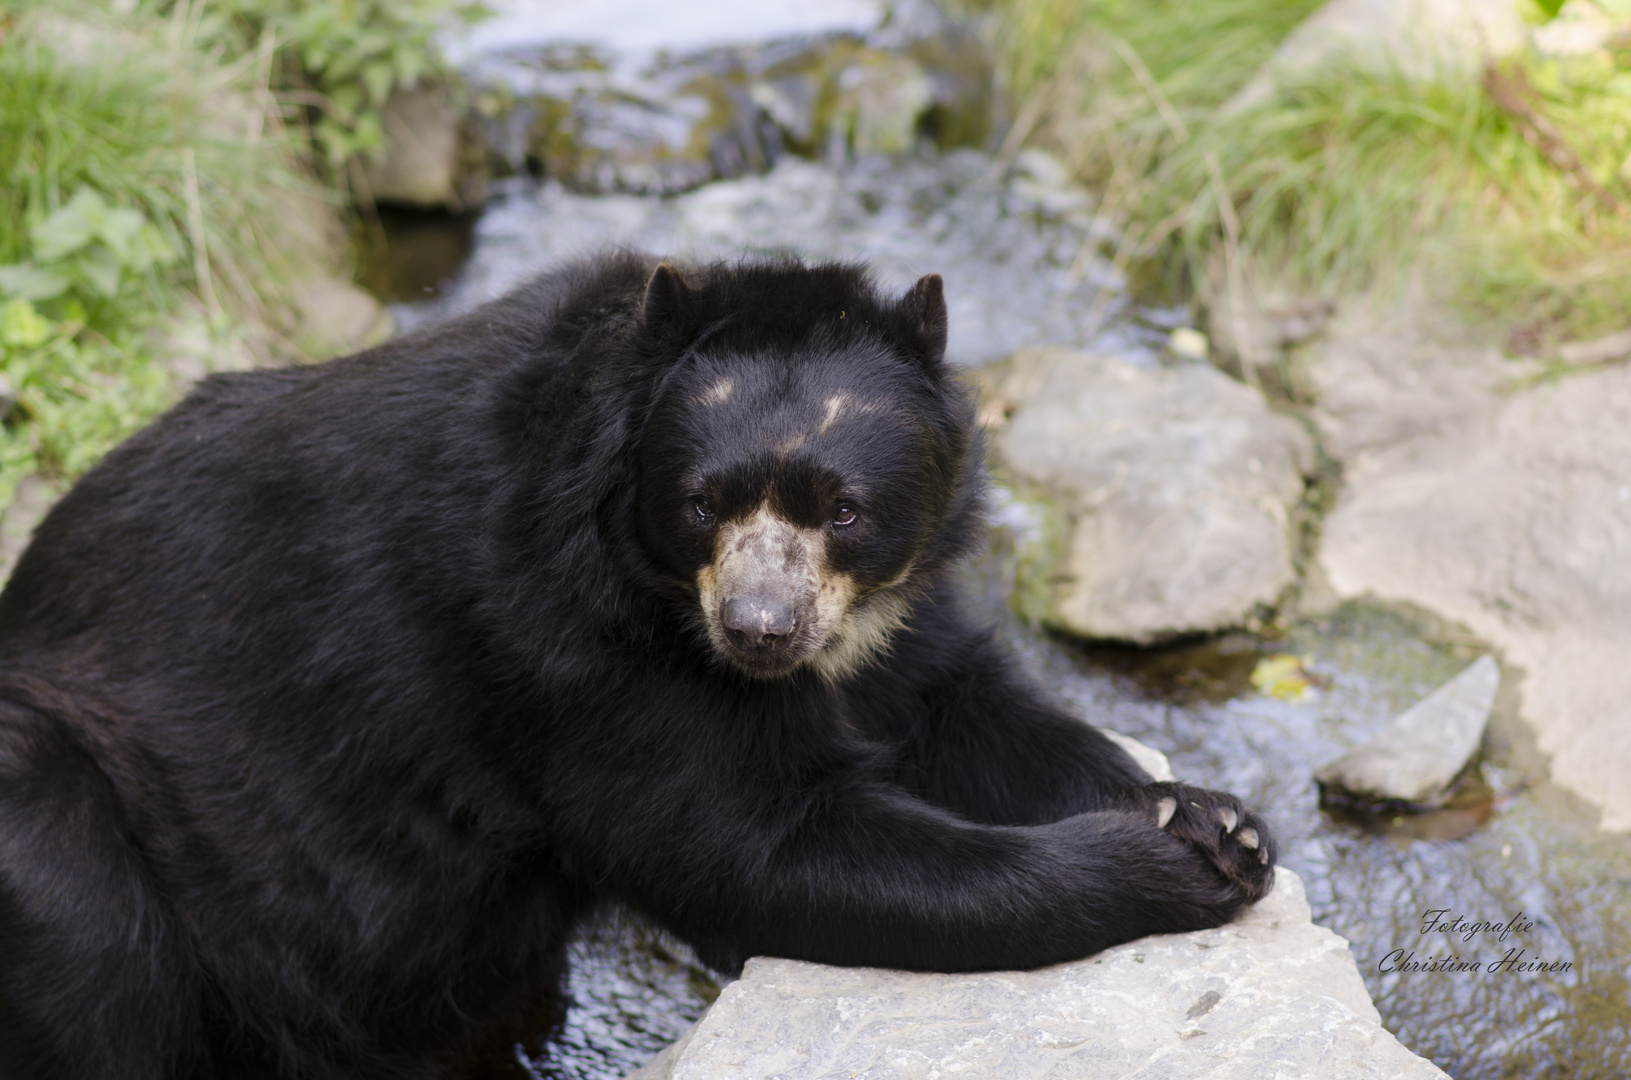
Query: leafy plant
point(76, 393)
point(140, 183)
point(339, 59)
point(88, 250)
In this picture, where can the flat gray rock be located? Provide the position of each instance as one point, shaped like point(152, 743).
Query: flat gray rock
point(1148, 758)
point(1271, 995)
point(1179, 484)
point(1417, 753)
point(1509, 513)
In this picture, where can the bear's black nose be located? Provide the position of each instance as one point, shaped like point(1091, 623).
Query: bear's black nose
point(758, 623)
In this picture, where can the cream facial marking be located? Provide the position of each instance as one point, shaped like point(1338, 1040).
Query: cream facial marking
point(720, 392)
point(835, 406)
point(764, 562)
point(844, 404)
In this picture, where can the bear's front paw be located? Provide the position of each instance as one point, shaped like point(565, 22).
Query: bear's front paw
point(1236, 841)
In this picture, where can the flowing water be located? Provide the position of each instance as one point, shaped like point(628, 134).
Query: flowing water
point(1020, 254)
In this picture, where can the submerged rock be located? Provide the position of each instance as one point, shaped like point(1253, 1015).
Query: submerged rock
point(1506, 512)
point(1179, 483)
point(1416, 755)
point(1269, 995)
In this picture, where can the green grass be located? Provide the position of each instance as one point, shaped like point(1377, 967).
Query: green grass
point(157, 183)
point(143, 183)
point(1340, 181)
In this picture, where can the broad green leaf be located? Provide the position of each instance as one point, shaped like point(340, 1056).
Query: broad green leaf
point(410, 64)
point(30, 282)
point(377, 77)
point(21, 327)
point(102, 270)
point(70, 228)
point(346, 99)
point(118, 229)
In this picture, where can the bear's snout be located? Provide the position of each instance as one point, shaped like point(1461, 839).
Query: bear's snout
point(760, 624)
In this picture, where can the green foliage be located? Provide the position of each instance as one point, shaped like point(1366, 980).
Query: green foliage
point(139, 183)
point(146, 175)
point(339, 58)
point(77, 393)
point(161, 132)
point(88, 251)
point(1342, 177)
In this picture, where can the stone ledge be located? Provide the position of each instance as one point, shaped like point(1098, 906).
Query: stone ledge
point(1271, 995)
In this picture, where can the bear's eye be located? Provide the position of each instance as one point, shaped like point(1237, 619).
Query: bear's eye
point(844, 516)
point(703, 509)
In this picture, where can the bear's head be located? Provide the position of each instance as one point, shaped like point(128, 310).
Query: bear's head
point(808, 466)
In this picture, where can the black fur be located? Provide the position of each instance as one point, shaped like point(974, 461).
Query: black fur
point(333, 700)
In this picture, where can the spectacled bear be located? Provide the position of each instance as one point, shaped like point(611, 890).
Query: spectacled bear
point(333, 700)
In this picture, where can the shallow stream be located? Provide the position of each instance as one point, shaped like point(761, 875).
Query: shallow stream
point(1019, 251)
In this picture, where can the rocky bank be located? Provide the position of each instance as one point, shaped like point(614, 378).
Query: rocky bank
point(1504, 507)
point(1271, 995)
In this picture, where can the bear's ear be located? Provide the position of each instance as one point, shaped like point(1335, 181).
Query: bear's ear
point(666, 311)
point(925, 304)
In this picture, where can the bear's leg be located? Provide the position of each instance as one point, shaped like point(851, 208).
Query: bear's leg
point(992, 748)
point(987, 743)
point(94, 978)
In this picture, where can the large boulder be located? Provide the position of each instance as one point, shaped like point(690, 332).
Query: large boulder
point(1179, 485)
point(1270, 995)
point(1506, 510)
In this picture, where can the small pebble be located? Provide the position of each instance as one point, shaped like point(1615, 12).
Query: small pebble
point(1189, 343)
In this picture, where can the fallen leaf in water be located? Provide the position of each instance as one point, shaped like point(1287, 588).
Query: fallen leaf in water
point(1283, 676)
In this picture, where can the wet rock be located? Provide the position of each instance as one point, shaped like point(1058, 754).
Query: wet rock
point(429, 160)
point(1012, 276)
point(1149, 759)
point(1270, 995)
point(1421, 40)
point(1416, 755)
point(879, 104)
point(600, 119)
point(1179, 483)
point(336, 317)
point(599, 124)
point(1506, 512)
point(1041, 183)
